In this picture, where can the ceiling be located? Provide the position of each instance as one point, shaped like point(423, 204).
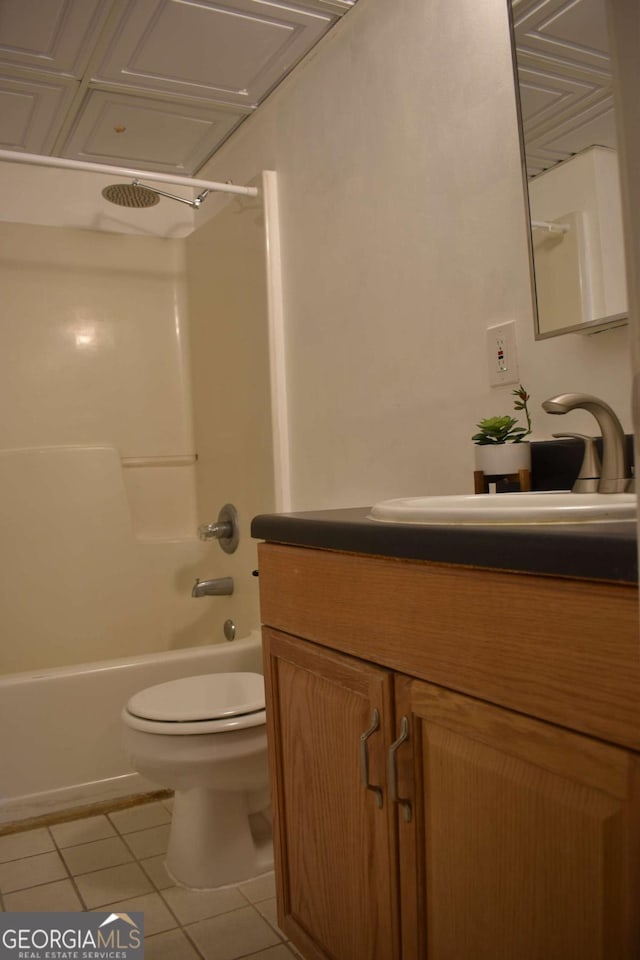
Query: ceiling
point(152, 84)
point(160, 84)
point(565, 81)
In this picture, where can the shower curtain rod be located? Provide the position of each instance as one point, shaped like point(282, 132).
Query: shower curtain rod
point(63, 163)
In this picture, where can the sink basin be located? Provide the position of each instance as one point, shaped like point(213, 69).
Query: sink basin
point(488, 508)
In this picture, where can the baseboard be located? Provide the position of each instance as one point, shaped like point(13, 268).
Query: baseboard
point(15, 809)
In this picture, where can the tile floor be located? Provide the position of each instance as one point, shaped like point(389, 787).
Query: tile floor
point(116, 862)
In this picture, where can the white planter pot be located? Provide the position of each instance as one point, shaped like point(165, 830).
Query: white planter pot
point(500, 459)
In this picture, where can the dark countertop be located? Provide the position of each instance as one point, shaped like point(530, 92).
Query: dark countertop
point(592, 551)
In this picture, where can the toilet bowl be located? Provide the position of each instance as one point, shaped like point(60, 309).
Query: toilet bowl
point(205, 738)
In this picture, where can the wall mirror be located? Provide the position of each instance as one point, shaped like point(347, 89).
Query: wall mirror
point(570, 165)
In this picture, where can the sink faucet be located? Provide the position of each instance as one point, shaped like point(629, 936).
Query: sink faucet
point(222, 587)
point(615, 476)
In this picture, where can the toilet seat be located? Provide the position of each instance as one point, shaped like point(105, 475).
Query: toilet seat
point(209, 703)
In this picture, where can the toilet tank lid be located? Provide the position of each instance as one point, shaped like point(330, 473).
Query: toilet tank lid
point(211, 696)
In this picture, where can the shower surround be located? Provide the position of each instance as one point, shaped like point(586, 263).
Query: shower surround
point(101, 489)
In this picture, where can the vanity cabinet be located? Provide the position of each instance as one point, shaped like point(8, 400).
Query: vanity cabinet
point(337, 843)
point(522, 835)
point(444, 787)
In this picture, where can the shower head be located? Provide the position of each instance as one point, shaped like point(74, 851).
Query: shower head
point(130, 195)
point(136, 194)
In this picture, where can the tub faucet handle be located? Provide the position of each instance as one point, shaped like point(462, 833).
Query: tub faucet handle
point(214, 531)
point(225, 529)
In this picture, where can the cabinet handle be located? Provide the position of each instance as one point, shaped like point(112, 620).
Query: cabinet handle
point(364, 757)
point(392, 772)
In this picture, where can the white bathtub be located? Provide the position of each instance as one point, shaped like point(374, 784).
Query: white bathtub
point(60, 744)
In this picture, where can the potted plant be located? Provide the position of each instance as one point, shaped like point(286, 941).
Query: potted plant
point(501, 448)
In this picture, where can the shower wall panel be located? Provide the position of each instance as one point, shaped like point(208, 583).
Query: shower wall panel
point(92, 347)
point(77, 584)
point(97, 464)
point(228, 330)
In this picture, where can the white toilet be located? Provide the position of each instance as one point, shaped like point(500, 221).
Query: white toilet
point(205, 737)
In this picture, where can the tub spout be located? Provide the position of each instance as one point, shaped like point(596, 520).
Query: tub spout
point(222, 587)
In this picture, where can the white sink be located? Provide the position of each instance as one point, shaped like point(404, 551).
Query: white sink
point(491, 508)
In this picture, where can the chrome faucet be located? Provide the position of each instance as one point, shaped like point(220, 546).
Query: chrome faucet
point(615, 477)
point(222, 587)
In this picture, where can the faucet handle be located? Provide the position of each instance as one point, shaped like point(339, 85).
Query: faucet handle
point(225, 530)
point(215, 531)
point(589, 472)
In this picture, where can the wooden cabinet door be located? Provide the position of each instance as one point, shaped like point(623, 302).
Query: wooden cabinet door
point(335, 845)
point(523, 839)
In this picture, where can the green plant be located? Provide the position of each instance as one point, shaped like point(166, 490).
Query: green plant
point(504, 429)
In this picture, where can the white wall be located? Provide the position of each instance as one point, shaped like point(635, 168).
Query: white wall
point(624, 19)
point(403, 235)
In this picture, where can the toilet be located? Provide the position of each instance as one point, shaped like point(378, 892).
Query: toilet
point(205, 738)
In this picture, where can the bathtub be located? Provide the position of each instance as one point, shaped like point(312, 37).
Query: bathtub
point(60, 744)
